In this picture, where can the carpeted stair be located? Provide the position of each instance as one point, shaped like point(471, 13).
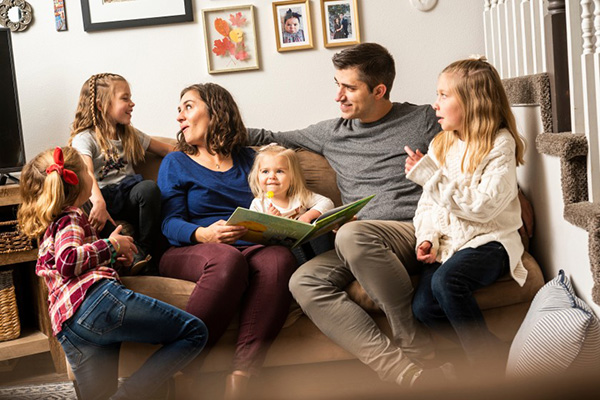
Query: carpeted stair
point(572, 148)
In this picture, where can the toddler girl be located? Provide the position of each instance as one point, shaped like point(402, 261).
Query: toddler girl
point(277, 182)
point(467, 219)
point(90, 311)
point(110, 146)
point(291, 27)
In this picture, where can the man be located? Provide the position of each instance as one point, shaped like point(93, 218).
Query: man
point(344, 23)
point(366, 149)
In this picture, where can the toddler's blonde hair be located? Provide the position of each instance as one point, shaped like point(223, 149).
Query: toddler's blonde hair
point(297, 189)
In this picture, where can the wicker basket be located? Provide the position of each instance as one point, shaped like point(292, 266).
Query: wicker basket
point(10, 327)
point(13, 240)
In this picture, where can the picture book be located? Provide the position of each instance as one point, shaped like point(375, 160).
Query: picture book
point(271, 229)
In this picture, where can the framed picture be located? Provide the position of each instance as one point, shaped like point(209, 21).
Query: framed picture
point(230, 36)
point(292, 25)
point(100, 15)
point(340, 22)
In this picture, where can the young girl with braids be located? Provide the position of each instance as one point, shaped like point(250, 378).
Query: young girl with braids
point(467, 219)
point(90, 310)
point(110, 145)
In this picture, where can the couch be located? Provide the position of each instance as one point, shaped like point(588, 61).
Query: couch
point(303, 362)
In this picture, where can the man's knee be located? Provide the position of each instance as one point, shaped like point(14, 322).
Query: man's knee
point(302, 282)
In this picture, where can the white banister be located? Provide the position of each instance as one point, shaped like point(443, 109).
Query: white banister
point(594, 177)
point(486, 29)
point(527, 39)
point(574, 51)
point(589, 99)
point(494, 28)
point(502, 65)
point(518, 39)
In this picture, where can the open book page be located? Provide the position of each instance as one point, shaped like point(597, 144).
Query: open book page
point(270, 229)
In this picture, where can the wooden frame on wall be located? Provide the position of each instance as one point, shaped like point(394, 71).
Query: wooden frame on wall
point(340, 20)
point(230, 36)
point(295, 33)
point(101, 15)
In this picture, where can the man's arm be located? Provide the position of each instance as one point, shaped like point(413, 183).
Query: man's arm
point(312, 137)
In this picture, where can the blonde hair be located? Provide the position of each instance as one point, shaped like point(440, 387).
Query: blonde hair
point(95, 99)
point(297, 189)
point(45, 195)
point(486, 110)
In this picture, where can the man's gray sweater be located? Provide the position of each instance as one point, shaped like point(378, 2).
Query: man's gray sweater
point(368, 158)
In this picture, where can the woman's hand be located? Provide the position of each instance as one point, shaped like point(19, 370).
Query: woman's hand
point(412, 159)
point(124, 246)
point(219, 232)
point(425, 252)
point(99, 215)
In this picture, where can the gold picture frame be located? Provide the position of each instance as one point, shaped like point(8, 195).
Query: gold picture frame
point(230, 38)
point(293, 29)
point(340, 21)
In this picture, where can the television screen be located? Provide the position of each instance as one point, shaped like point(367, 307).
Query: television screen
point(12, 150)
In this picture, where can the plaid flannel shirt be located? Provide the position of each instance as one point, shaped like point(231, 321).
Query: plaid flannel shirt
point(71, 258)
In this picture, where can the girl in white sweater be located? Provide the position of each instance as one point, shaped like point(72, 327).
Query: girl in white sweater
point(467, 218)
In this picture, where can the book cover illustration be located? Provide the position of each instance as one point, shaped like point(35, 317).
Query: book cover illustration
point(271, 229)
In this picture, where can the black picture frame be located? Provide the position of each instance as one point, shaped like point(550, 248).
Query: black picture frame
point(90, 26)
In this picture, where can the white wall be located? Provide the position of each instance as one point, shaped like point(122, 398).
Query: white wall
point(291, 90)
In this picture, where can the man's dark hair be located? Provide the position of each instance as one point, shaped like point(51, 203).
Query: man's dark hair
point(374, 63)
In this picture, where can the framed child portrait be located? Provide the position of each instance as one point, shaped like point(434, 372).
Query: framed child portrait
point(292, 25)
point(340, 22)
point(230, 36)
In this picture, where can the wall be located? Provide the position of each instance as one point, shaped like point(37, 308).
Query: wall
point(291, 90)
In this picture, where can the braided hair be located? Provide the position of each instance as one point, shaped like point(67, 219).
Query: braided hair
point(94, 100)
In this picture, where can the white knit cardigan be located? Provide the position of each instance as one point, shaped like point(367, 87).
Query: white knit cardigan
point(459, 210)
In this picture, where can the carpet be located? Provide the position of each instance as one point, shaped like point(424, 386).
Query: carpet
point(49, 391)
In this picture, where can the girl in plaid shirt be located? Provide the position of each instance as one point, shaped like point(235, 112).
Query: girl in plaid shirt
point(91, 312)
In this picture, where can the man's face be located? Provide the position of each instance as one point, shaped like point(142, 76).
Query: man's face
point(355, 98)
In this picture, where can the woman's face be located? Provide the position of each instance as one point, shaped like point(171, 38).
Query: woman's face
point(292, 25)
point(193, 118)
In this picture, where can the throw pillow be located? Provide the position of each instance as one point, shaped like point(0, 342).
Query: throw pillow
point(560, 333)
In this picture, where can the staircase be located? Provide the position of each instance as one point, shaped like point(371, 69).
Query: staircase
point(548, 53)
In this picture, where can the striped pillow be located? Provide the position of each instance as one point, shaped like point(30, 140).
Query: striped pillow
point(560, 333)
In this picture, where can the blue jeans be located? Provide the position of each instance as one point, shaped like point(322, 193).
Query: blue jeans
point(111, 314)
point(444, 298)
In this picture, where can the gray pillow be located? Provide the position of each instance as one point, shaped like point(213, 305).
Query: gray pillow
point(560, 333)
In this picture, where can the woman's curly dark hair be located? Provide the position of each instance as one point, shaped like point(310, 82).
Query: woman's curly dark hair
point(226, 131)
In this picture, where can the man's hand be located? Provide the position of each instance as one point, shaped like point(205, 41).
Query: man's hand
point(425, 252)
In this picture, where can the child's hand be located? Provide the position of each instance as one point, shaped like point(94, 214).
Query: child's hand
point(99, 215)
point(271, 209)
point(125, 247)
point(425, 252)
point(412, 159)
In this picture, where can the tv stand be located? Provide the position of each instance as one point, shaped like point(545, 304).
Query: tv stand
point(4, 178)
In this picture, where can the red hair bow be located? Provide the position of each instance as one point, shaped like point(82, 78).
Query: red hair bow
point(59, 166)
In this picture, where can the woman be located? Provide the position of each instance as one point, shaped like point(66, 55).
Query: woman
point(202, 184)
point(337, 29)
